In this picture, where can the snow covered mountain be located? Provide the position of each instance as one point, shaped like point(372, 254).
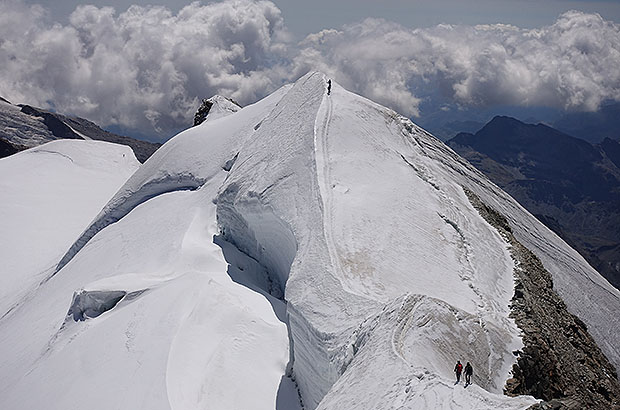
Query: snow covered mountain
point(569, 184)
point(307, 251)
point(24, 126)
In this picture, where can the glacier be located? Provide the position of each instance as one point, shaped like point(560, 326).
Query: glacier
point(306, 251)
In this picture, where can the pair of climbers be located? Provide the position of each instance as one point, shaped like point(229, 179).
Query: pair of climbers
point(458, 369)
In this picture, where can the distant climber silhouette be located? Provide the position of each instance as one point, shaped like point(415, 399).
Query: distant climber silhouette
point(468, 372)
point(329, 87)
point(458, 369)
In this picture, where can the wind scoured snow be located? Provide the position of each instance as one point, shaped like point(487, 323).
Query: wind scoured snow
point(331, 215)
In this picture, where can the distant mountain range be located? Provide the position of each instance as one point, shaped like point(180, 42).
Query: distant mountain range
point(593, 127)
point(24, 126)
point(571, 185)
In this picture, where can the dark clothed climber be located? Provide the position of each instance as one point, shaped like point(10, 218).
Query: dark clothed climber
point(468, 372)
point(329, 87)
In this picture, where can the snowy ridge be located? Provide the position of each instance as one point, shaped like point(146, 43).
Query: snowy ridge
point(399, 335)
point(184, 163)
point(334, 292)
point(587, 294)
point(221, 107)
point(305, 249)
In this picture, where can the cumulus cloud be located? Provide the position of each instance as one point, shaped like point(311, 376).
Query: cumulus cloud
point(146, 68)
point(571, 64)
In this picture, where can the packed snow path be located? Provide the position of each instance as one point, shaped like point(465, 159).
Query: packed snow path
point(331, 215)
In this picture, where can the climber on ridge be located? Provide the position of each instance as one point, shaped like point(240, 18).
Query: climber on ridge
point(329, 87)
point(458, 369)
point(468, 372)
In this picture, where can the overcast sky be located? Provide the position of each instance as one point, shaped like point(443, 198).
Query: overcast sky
point(303, 17)
point(147, 67)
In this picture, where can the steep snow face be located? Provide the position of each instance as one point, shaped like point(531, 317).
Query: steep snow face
point(362, 239)
point(185, 162)
point(49, 195)
point(331, 215)
point(377, 210)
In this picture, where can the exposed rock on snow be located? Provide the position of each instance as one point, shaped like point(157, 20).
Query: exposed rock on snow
point(6, 148)
point(53, 123)
point(560, 360)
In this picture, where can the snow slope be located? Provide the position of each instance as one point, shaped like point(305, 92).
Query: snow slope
point(49, 195)
point(148, 310)
point(325, 238)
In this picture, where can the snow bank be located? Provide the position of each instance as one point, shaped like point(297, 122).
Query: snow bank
point(165, 326)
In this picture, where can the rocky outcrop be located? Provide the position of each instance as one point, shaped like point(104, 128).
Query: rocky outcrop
point(53, 123)
point(25, 126)
point(202, 112)
point(142, 149)
point(6, 148)
point(560, 362)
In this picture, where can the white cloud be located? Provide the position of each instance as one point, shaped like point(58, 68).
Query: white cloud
point(572, 64)
point(144, 68)
point(147, 68)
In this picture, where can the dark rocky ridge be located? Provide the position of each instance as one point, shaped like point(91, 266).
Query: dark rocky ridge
point(6, 148)
point(53, 122)
point(560, 362)
point(57, 123)
point(203, 111)
point(32, 126)
point(569, 184)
